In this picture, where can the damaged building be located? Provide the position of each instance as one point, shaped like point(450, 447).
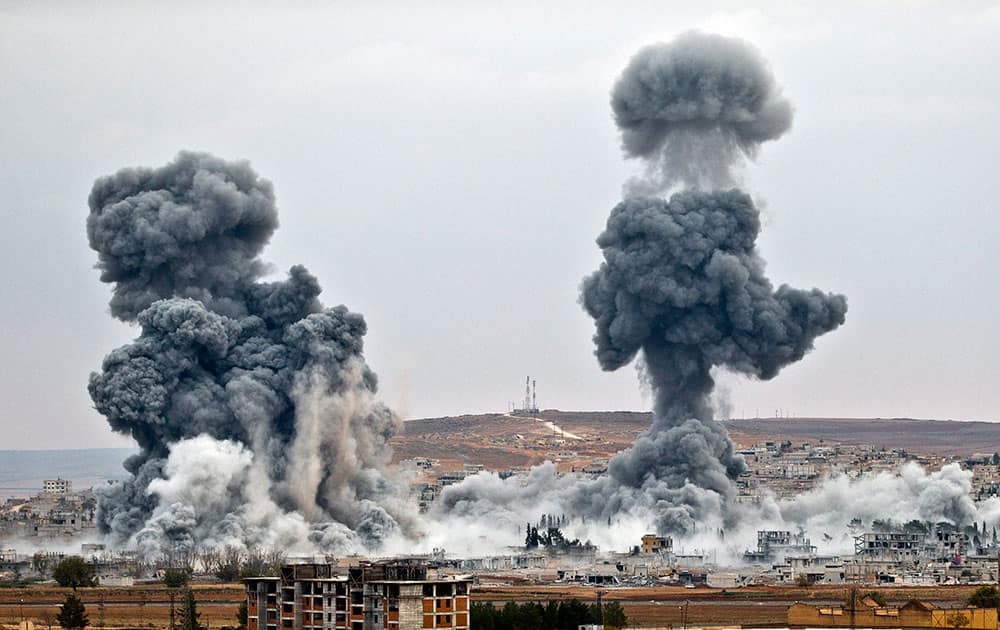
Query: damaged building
point(395, 595)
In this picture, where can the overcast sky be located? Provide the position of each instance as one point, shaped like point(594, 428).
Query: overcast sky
point(445, 171)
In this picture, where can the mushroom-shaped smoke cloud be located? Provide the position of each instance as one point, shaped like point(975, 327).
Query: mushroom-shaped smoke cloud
point(683, 283)
point(694, 107)
point(682, 280)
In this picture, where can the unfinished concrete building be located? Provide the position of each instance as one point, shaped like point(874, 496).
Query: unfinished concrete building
point(370, 596)
point(942, 543)
point(653, 544)
point(897, 546)
point(776, 544)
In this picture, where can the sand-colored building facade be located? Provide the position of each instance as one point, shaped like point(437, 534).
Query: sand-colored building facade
point(914, 614)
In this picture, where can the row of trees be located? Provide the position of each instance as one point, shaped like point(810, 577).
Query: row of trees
point(228, 564)
point(985, 597)
point(553, 539)
point(564, 615)
point(73, 613)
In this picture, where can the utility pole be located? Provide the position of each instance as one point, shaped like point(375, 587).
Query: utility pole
point(21, 606)
point(854, 599)
point(600, 606)
point(685, 620)
point(172, 609)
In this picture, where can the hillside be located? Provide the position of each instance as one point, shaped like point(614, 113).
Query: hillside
point(501, 441)
point(940, 437)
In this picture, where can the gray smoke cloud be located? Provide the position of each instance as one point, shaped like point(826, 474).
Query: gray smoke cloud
point(251, 402)
point(682, 291)
point(694, 108)
point(683, 285)
point(682, 281)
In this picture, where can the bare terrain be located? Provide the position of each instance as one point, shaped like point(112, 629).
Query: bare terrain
point(149, 606)
point(752, 606)
point(937, 437)
point(499, 441)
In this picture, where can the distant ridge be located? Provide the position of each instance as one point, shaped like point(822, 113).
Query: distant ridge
point(465, 436)
point(943, 437)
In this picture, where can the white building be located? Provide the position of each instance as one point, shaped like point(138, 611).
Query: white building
point(57, 486)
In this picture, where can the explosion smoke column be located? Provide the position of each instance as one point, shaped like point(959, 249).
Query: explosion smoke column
point(251, 402)
point(682, 281)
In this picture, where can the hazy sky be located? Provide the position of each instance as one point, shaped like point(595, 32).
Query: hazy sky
point(445, 171)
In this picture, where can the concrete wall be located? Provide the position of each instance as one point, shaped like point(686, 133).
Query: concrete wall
point(909, 616)
point(411, 612)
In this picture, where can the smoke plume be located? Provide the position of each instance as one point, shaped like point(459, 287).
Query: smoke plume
point(682, 284)
point(681, 280)
point(251, 402)
point(692, 109)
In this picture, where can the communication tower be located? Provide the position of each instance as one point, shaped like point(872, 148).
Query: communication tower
point(530, 402)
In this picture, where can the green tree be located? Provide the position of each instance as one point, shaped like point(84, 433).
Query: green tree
point(72, 614)
point(189, 612)
point(985, 597)
point(175, 578)
point(614, 615)
point(551, 617)
point(531, 616)
point(595, 613)
point(74, 572)
point(531, 539)
point(957, 619)
point(879, 598)
point(483, 616)
point(573, 614)
point(242, 614)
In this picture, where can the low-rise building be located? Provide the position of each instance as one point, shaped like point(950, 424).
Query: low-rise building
point(868, 614)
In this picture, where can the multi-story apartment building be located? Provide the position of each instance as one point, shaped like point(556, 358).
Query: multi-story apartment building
point(57, 486)
point(942, 543)
point(775, 544)
point(889, 545)
point(370, 596)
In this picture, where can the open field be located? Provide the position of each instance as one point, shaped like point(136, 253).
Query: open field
point(757, 606)
point(149, 606)
point(124, 607)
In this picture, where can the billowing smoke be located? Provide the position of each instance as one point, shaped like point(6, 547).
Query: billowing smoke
point(251, 402)
point(257, 416)
point(682, 281)
point(943, 495)
point(683, 284)
point(692, 109)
